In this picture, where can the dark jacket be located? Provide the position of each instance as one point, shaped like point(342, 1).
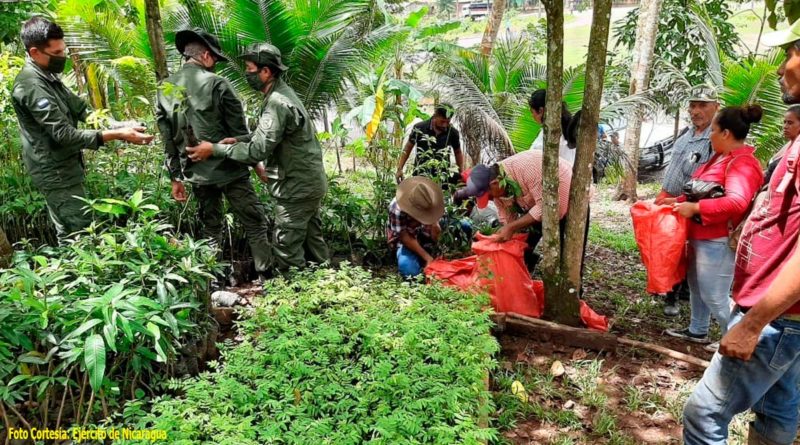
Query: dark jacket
point(48, 115)
point(286, 141)
point(197, 97)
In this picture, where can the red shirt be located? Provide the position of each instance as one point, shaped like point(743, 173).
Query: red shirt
point(769, 237)
point(741, 175)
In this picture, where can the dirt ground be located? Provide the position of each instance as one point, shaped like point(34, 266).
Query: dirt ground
point(583, 397)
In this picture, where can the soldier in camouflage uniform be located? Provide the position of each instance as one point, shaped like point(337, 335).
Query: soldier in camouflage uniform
point(48, 115)
point(195, 102)
point(286, 140)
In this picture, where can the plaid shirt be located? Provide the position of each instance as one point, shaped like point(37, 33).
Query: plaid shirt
point(400, 221)
point(688, 153)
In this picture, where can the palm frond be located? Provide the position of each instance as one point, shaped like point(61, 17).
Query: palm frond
point(755, 80)
point(712, 59)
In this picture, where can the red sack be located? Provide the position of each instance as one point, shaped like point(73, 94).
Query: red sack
point(456, 273)
point(499, 270)
point(502, 272)
point(661, 236)
point(592, 319)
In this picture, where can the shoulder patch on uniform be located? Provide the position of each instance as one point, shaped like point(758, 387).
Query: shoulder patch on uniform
point(43, 103)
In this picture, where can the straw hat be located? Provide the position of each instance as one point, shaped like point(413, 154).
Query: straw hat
point(422, 199)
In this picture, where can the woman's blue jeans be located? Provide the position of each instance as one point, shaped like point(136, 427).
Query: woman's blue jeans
point(710, 275)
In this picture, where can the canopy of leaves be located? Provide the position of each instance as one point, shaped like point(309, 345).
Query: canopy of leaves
point(791, 10)
point(322, 42)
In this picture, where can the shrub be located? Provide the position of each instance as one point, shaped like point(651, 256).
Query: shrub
point(340, 357)
point(101, 318)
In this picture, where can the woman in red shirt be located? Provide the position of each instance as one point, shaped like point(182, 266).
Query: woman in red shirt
point(711, 260)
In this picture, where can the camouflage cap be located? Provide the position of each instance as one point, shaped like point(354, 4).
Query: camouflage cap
point(186, 36)
point(704, 93)
point(264, 54)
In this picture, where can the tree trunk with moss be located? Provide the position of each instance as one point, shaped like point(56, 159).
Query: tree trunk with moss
point(572, 253)
point(556, 308)
point(646, 31)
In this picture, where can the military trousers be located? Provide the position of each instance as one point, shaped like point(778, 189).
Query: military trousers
point(66, 211)
point(246, 207)
point(298, 234)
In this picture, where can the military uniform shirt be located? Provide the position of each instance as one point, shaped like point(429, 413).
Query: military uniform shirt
point(48, 115)
point(208, 103)
point(287, 143)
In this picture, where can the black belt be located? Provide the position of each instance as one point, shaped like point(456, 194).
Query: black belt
point(743, 309)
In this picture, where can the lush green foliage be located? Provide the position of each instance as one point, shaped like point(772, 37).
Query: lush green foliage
point(755, 80)
point(104, 315)
point(341, 357)
point(684, 30)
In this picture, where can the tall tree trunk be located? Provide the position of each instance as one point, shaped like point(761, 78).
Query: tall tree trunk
point(646, 31)
point(399, 131)
point(155, 33)
point(761, 29)
point(572, 254)
point(551, 243)
point(493, 26)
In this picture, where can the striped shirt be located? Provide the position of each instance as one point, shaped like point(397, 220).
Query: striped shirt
point(688, 153)
point(526, 169)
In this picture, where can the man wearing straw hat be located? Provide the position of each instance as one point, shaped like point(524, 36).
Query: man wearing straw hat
point(413, 227)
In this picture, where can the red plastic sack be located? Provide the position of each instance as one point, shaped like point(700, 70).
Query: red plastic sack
point(592, 319)
point(499, 270)
point(661, 236)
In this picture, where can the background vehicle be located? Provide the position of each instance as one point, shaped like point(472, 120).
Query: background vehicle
point(477, 10)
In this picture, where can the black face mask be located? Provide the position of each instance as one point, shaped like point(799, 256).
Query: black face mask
point(56, 64)
point(255, 81)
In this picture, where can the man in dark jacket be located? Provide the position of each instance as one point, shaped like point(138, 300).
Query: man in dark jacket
point(196, 103)
point(48, 115)
point(287, 142)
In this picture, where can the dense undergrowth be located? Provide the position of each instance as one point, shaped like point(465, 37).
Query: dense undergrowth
point(340, 357)
point(102, 320)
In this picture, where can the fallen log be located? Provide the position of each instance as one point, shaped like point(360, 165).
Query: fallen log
point(554, 332)
point(665, 351)
point(509, 322)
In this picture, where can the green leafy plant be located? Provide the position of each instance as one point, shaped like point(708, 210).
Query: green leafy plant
point(100, 319)
point(339, 356)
